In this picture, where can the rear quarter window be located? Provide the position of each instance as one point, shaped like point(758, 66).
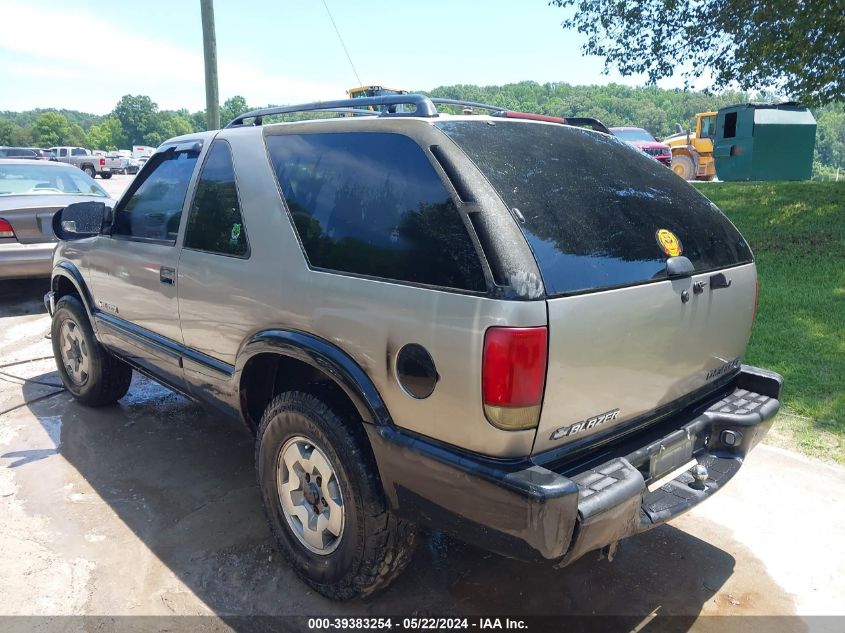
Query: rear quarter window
point(372, 204)
point(590, 206)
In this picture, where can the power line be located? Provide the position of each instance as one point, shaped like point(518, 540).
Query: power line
point(348, 56)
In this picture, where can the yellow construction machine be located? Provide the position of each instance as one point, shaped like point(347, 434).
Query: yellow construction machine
point(692, 152)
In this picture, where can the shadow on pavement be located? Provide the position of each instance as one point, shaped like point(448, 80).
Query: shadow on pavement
point(23, 296)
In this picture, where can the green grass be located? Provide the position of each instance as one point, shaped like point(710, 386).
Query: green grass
point(797, 232)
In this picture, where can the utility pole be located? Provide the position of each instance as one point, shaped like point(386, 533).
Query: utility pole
point(209, 45)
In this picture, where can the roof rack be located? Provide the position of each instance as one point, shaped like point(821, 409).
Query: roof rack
point(424, 107)
point(359, 106)
point(468, 104)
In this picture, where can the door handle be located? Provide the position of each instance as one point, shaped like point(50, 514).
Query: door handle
point(167, 275)
point(719, 281)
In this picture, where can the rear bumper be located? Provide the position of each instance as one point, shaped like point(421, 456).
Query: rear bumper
point(559, 511)
point(21, 261)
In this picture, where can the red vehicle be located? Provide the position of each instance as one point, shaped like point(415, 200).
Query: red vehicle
point(642, 140)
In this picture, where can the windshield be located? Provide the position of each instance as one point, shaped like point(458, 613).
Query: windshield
point(633, 135)
point(708, 126)
point(37, 180)
point(596, 212)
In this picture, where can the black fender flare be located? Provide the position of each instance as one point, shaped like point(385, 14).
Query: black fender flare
point(324, 356)
point(71, 273)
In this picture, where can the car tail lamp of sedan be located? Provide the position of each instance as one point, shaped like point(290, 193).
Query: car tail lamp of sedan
point(6, 229)
point(513, 376)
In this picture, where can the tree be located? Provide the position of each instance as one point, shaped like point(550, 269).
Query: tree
point(108, 135)
point(137, 116)
point(50, 129)
point(76, 136)
point(167, 125)
point(796, 47)
point(232, 107)
point(6, 128)
point(199, 122)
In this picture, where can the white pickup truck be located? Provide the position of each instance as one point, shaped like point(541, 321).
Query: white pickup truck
point(84, 159)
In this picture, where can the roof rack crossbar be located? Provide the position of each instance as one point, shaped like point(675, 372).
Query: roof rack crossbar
point(424, 108)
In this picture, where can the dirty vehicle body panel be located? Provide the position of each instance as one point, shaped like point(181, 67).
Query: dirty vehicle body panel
point(654, 353)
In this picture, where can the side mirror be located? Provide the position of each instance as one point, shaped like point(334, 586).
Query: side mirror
point(81, 219)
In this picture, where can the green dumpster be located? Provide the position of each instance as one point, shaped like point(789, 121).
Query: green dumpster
point(764, 142)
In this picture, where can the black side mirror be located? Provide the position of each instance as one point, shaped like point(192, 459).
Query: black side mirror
point(82, 219)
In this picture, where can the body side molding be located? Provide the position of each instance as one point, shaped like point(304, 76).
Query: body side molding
point(326, 357)
point(163, 345)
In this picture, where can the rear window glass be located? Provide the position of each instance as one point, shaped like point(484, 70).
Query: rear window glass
point(595, 209)
point(372, 204)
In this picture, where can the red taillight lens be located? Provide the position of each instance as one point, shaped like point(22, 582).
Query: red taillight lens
point(513, 375)
point(6, 229)
point(102, 162)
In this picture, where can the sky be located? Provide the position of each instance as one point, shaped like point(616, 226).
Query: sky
point(86, 54)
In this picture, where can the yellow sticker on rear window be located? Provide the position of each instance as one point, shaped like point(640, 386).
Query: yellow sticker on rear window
point(669, 243)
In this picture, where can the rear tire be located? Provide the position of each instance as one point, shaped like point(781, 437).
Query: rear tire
point(90, 373)
point(105, 176)
point(683, 166)
point(367, 547)
point(89, 170)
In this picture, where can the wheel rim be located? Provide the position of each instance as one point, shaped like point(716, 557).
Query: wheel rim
point(310, 496)
point(74, 351)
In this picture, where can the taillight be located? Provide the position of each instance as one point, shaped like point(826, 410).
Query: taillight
point(6, 229)
point(756, 299)
point(102, 162)
point(513, 375)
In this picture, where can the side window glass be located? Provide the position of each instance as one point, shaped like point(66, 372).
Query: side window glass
point(155, 208)
point(372, 204)
point(215, 223)
point(730, 125)
point(63, 152)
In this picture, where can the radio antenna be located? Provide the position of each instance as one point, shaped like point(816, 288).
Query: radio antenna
point(345, 50)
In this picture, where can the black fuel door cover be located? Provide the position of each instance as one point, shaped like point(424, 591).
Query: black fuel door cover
point(415, 371)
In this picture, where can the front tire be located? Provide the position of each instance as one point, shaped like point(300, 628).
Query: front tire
point(105, 176)
point(323, 499)
point(683, 166)
point(88, 371)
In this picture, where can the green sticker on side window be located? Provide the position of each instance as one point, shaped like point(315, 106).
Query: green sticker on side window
point(236, 234)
